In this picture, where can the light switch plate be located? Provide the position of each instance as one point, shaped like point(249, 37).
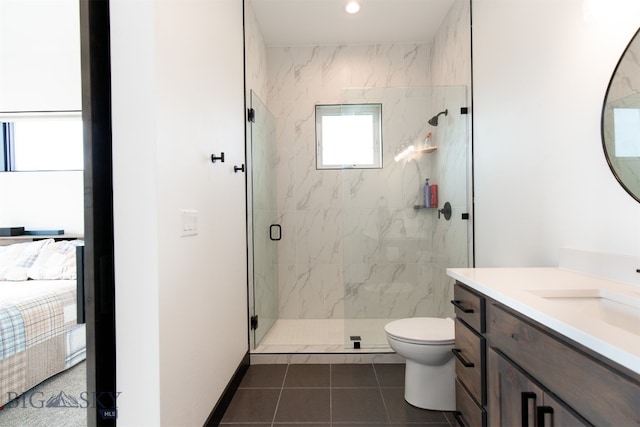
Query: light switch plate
point(189, 223)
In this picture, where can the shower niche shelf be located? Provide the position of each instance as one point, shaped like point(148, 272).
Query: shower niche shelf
point(425, 150)
point(416, 207)
point(411, 152)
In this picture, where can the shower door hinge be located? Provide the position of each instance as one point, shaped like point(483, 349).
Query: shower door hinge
point(464, 110)
point(254, 322)
point(251, 115)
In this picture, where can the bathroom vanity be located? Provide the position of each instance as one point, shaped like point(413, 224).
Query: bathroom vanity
point(545, 346)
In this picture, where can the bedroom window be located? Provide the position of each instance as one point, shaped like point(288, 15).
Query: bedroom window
point(42, 142)
point(349, 136)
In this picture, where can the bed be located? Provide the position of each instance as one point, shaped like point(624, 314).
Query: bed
point(39, 334)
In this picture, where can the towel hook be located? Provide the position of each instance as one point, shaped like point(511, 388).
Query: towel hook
point(214, 158)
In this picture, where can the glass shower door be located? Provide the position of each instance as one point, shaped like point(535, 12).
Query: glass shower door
point(396, 250)
point(265, 231)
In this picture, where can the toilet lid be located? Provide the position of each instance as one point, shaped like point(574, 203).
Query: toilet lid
point(422, 330)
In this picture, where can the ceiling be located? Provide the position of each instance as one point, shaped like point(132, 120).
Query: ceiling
point(325, 22)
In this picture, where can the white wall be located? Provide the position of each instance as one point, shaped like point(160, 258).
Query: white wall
point(43, 200)
point(541, 70)
point(135, 213)
point(40, 47)
point(40, 71)
point(181, 302)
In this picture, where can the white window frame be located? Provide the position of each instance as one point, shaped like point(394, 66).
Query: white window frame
point(344, 110)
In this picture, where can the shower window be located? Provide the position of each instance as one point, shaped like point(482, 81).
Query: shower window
point(349, 136)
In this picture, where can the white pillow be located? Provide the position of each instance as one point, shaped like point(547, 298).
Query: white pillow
point(16, 259)
point(57, 261)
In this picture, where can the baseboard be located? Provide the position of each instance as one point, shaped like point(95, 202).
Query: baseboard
point(224, 401)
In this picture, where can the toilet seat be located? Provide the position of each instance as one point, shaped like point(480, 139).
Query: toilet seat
point(422, 330)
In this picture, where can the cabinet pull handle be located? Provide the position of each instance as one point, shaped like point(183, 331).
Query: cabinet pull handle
point(541, 411)
point(458, 354)
point(459, 418)
point(526, 395)
point(458, 304)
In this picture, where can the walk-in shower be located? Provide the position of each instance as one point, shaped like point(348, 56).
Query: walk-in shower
point(338, 251)
point(336, 254)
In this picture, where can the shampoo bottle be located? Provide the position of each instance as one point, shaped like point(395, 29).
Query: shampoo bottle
point(434, 196)
point(427, 194)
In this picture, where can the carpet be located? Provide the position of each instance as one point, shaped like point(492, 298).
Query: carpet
point(59, 401)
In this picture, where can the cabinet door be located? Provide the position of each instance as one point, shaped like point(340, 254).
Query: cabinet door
point(513, 398)
point(468, 412)
point(469, 354)
point(555, 413)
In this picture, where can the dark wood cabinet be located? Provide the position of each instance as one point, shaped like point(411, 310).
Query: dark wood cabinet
point(599, 391)
point(516, 400)
point(469, 352)
point(471, 390)
point(469, 413)
point(513, 371)
point(513, 398)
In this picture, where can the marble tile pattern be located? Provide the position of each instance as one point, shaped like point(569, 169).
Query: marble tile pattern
point(353, 245)
point(255, 56)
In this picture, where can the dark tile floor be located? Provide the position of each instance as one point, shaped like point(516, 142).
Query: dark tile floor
point(327, 395)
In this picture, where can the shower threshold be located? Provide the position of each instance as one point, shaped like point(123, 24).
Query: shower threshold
point(293, 336)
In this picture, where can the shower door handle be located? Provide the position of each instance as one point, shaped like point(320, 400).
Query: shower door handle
point(278, 234)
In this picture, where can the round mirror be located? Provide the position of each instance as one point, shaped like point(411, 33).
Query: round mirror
point(621, 119)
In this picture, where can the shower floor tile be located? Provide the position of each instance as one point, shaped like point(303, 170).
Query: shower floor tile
point(324, 336)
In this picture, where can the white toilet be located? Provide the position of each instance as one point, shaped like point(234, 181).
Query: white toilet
point(426, 343)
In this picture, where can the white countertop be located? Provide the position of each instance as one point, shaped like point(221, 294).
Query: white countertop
point(534, 291)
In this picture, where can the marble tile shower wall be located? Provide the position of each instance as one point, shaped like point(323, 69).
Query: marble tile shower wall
point(353, 246)
point(255, 56)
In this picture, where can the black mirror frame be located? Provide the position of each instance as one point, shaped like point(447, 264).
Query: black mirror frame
point(636, 37)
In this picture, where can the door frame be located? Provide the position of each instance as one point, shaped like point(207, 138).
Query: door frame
point(99, 280)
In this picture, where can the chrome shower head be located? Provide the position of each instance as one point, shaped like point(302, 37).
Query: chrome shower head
point(433, 121)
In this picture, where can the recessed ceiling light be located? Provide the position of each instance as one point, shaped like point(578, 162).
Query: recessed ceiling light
point(352, 7)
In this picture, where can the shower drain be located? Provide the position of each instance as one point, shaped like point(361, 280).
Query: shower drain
point(356, 341)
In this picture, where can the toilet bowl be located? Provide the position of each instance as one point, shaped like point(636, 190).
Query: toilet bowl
point(426, 344)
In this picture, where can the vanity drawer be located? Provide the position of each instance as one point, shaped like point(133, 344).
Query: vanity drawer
point(601, 394)
point(469, 352)
point(468, 412)
point(469, 307)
